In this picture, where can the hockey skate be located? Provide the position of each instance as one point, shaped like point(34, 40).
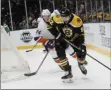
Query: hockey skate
point(67, 78)
point(82, 68)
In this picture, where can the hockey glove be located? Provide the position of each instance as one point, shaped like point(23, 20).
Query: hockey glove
point(49, 44)
point(36, 38)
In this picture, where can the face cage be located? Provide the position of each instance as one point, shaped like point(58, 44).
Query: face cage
point(46, 18)
point(65, 19)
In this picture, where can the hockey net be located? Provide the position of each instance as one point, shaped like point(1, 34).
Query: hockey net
point(13, 65)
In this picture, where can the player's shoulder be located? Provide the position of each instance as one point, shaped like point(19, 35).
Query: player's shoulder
point(57, 19)
point(41, 24)
point(76, 21)
point(39, 19)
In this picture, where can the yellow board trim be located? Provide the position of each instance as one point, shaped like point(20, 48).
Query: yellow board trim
point(102, 51)
point(28, 47)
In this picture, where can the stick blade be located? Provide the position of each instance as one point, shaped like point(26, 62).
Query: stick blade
point(29, 74)
point(28, 50)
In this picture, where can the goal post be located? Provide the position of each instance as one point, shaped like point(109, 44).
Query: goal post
point(13, 65)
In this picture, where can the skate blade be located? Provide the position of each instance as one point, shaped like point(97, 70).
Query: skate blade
point(67, 80)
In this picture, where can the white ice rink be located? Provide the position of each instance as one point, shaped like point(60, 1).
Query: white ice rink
point(49, 75)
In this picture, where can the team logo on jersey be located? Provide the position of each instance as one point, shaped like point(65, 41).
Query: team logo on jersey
point(78, 20)
point(68, 32)
point(26, 37)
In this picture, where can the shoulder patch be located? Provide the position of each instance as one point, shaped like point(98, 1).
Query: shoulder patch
point(57, 19)
point(76, 21)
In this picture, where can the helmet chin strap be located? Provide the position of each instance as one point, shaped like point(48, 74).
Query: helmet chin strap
point(45, 18)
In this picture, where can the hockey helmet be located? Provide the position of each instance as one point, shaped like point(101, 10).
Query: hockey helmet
point(46, 12)
point(65, 12)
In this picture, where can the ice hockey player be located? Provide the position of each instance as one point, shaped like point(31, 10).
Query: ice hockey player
point(42, 34)
point(64, 30)
point(73, 31)
point(57, 51)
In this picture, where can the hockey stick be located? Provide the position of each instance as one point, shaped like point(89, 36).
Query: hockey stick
point(32, 48)
point(33, 73)
point(87, 54)
point(35, 44)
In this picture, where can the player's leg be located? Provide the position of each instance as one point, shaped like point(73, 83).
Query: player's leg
point(81, 59)
point(63, 61)
point(54, 55)
point(50, 45)
point(81, 55)
point(72, 52)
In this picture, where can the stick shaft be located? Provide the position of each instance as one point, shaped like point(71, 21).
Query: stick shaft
point(87, 54)
point(32, 48)
point(34, 73)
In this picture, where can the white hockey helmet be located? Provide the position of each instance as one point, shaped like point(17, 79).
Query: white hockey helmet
point(55, 12)
point(46, 15)
point(46, 12)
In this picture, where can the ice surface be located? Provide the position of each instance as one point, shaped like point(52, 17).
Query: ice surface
point(49, 75)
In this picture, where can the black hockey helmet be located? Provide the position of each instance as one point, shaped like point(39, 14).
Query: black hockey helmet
point(65, 12)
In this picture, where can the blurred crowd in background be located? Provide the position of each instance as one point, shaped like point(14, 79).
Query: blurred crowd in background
point(23, 14)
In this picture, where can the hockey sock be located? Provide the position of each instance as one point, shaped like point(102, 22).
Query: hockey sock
point(64, 64)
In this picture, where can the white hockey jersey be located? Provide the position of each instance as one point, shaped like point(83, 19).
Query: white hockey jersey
point(43, 30)
point(43, 33)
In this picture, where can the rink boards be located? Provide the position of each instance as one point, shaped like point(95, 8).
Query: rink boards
point(98, 37)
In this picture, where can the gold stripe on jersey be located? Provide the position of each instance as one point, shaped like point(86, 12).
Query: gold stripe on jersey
point(64, 64)
point(57, 19)
point(60, 63)
point(76, 21)
point(63, 60)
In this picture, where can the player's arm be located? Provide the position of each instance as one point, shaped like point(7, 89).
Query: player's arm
point(78, 29)
point(56, 29)
point(38, 37)
point(53, 31)
point(78, 25)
